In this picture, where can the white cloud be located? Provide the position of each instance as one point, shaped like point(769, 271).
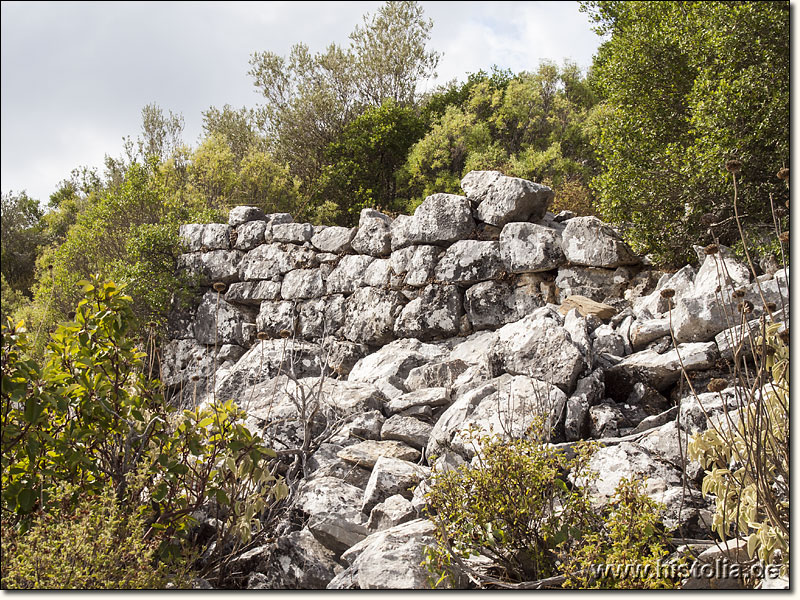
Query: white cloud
point(76, 75)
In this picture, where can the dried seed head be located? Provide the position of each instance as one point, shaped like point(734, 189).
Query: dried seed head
point(195, 377)
point(733, 166)
point(784, 335)
point(718, 289)
point(780, 212)
point(262, 336)
point(739, 293)
point(745, 306)
point(784, 237)
point(711, 249)
point(219, 287)
point(285, 333)
point(771, 306)
point(716, 385)
point(783, 174)
point(49, 267)
point(667, 293)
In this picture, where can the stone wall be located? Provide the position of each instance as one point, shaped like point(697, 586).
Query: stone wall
point(483, 310)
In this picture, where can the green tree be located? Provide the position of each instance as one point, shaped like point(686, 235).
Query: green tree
point(242, 129)
point(21, 232)
point(363, 164)
point(312, 98)
point(688, 86)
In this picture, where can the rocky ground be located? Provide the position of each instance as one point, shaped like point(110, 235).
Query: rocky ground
point(374, 350)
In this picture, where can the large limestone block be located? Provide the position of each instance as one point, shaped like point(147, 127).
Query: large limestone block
point(440, 219)
point(506, 406)
point(210, 267)
point(470, 261)
point(589, 242)
point(500, 199)
point(240, 215)
point(492, 304)
point(218, 322)
point(594, 283)
point(434, 314)
point(202, 237)
point(250, 235)
point(540, 347)
point(370, 316)
point(302, 284)
point(530, 248)
point(391, 559)
point(392, 476)
point(348, 274)
point(374, 236)
point(334, 239)
point(253, 292)
point(271, 261)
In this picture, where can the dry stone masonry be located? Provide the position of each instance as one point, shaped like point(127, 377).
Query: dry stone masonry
point(483, 310)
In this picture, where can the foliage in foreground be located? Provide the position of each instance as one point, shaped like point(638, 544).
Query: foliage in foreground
point(86, 415)
point(517, 507)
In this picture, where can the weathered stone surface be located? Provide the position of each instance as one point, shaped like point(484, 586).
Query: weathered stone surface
point(297, 561)
point(395, 510)
point(408, 430)
point(391, 476)
point(469, 261)
point(249, 235)
point(370, 315)
point(326, 463)
point(366, 426)
point(596, 284)
point(699, 318)
point(505, 406)
point(501, 199)
point(440, 219)
point(589, 242)
point(606, 340)
point(742, 339)
point(348, 275)
point(391, 559)
point(253, 292)
point(218, 322)
point(490, 304)
point(435, 313)
point(374, 236)
point(435, 396)
point(420, 268)
point(628, 460)
point(589, 392)
point(199, 237)
point(367, 453)
point(586, 306)
point(538, 346)
point(276, 319)
point(530, 248)
point(670, 444)
point(342, 356)
point(334, 507)
point(210, 267)
point(722, 270)
point(644, 332)
point(658, 370)
point(400, 259)
point(696, 411)
point(181, 361)
point(334, 239)
point(270, 261)
point(321, 318)
point(302, 284)
point(395, 361)
point(292, 233)
point(378, 273)
point(654, 304)
point(437, 374)
point(240, 215)
point(605, 420)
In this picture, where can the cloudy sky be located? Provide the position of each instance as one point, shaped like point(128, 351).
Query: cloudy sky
point(75, 75)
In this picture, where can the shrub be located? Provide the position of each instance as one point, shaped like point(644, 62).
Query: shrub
point(85, 541)
point(88, 416)
point(524, 511)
